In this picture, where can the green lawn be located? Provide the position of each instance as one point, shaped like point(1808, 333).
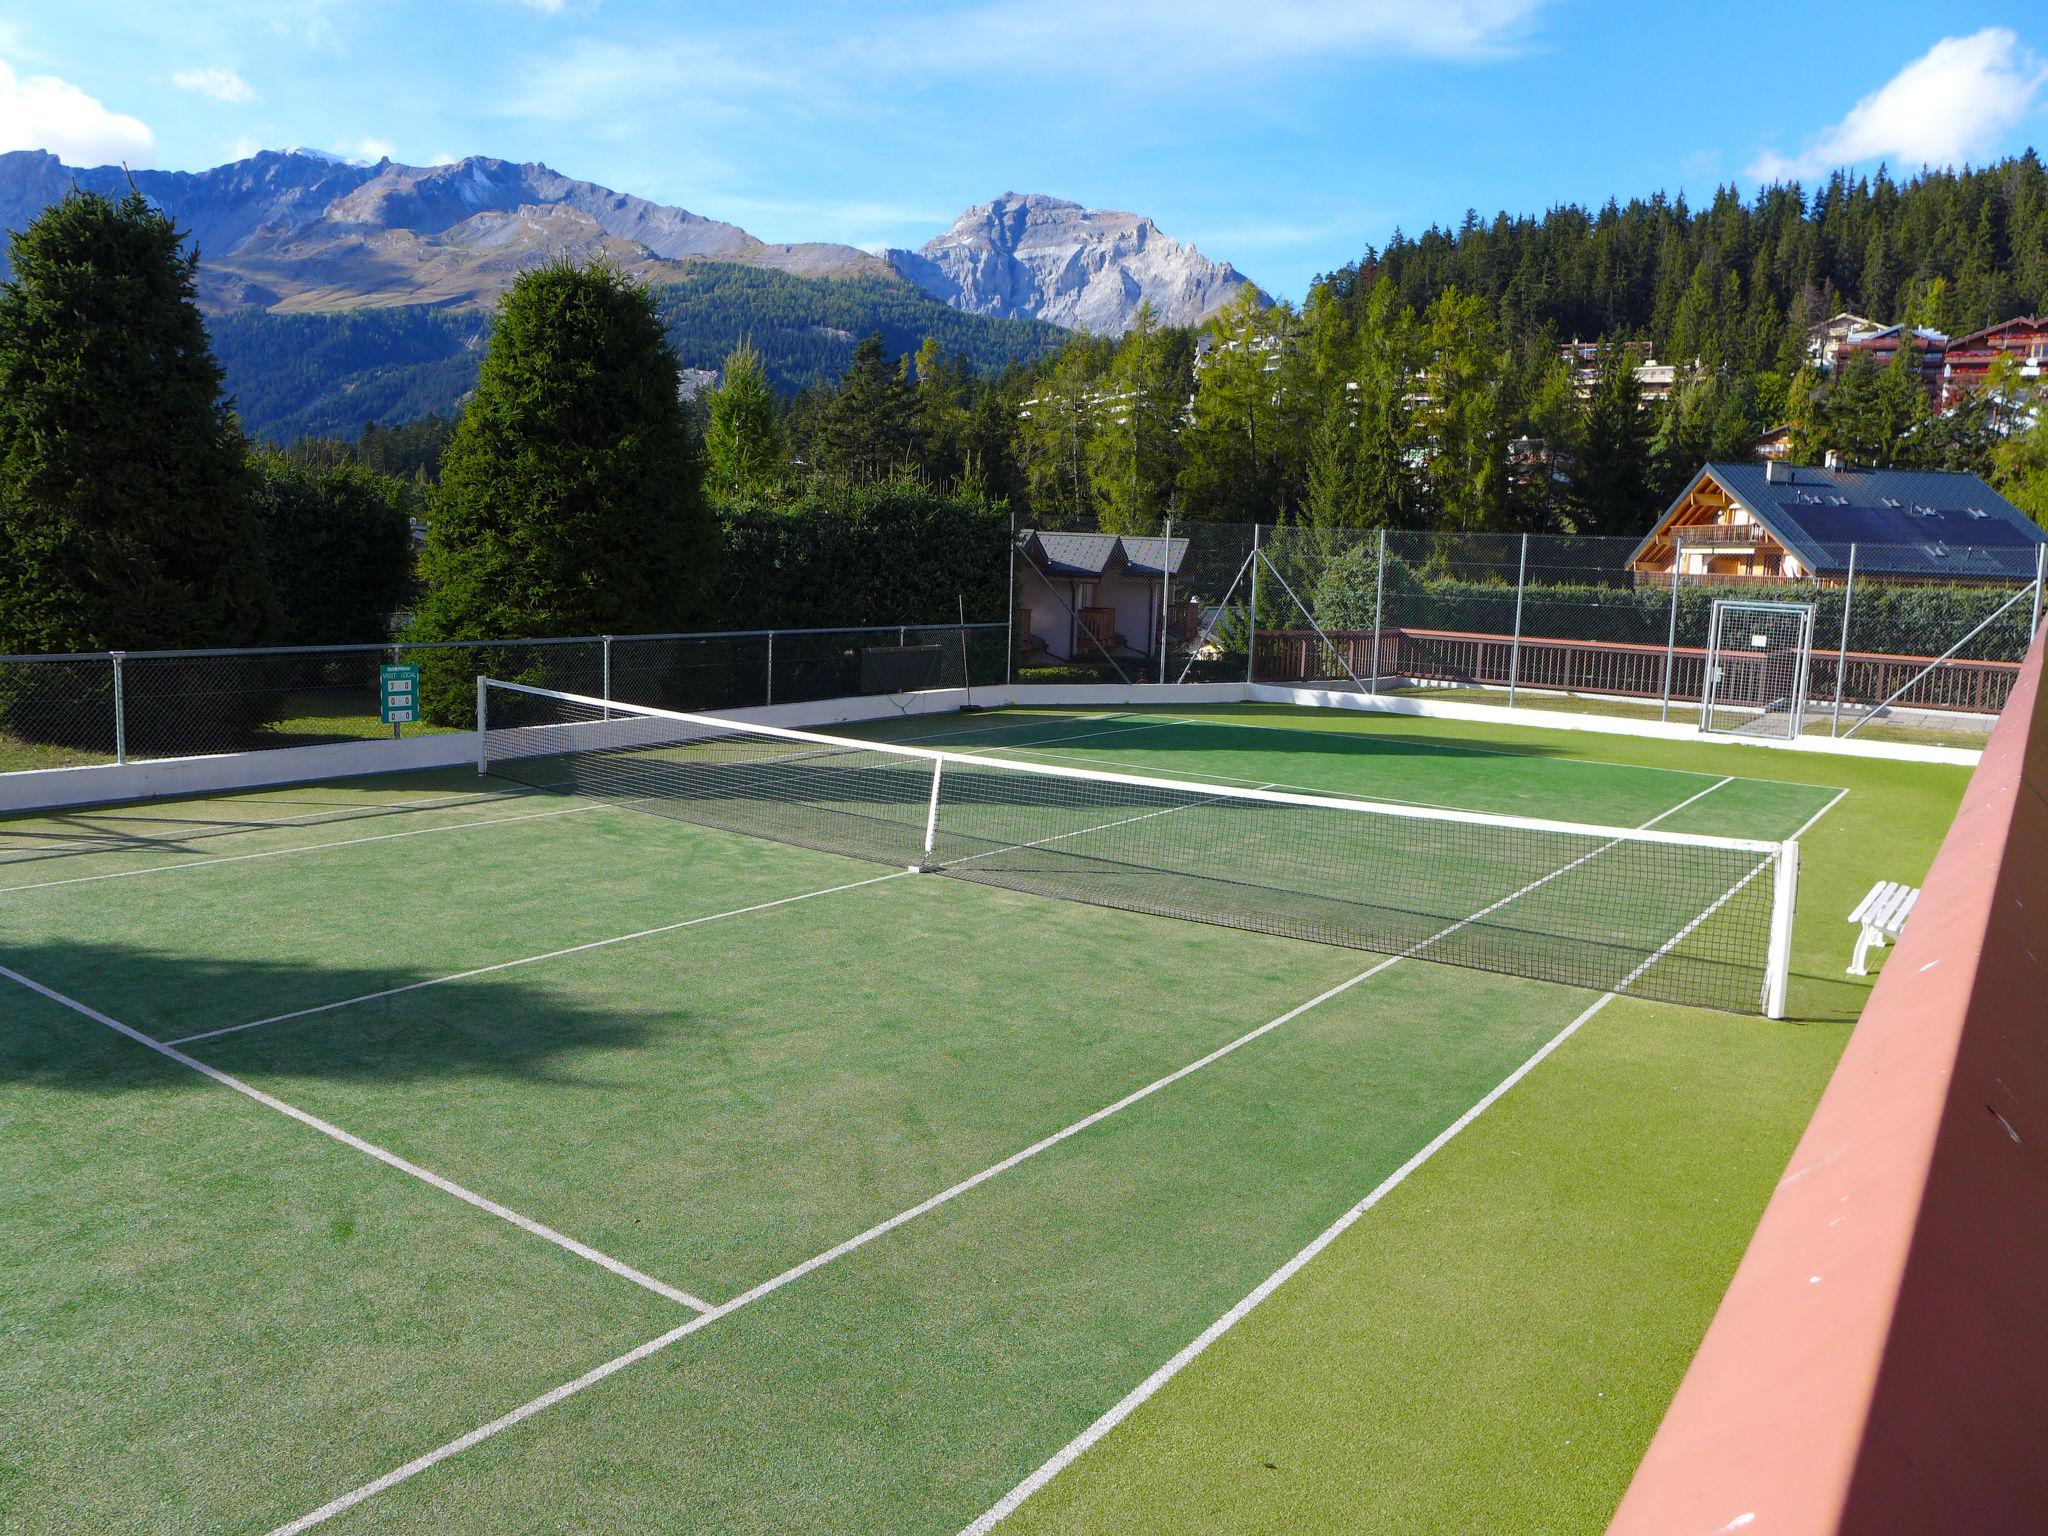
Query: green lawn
point(866, 1115)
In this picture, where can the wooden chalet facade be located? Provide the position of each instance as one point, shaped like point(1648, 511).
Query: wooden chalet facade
point(1770, 522)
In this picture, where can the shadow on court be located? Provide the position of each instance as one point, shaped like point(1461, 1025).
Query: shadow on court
point(507, 1024)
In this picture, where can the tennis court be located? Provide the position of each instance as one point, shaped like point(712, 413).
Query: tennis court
point(443, 1152)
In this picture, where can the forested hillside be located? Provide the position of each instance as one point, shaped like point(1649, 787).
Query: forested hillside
point(326, 375)
point(1737, 282)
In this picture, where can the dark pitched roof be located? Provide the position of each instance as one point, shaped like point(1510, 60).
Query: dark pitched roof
point(1142, 555)
point(1904, 522)
point(1074, 554)
point(1091, 554)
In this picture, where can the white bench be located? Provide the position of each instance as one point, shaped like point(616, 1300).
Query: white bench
point(1882, 914)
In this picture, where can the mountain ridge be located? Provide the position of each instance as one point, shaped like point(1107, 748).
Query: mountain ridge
point(302, 231)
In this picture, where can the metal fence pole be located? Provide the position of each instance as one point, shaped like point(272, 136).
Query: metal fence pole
point(1671, 635)
point(771, 666)
point(1515, 647)
point(397, 730)
point(1165, 591)
point(1010, 614)
point(1251, 645)
point(1379, 589)
point(2040, 576)
point(1842, 652)
point(120, 711)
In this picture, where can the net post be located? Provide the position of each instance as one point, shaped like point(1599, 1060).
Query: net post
point(1784, 899)
point(120, 709)
point(1515, 649)
point(483, 765)
point(1671, 634)
point(1379, 589)
point(1251, 644)
point(931, 814)
point(1842, 651)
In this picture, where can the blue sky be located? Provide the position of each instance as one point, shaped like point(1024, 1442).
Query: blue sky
point(1282, 135)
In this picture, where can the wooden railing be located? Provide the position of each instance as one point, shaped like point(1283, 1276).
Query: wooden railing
point(1619, 668)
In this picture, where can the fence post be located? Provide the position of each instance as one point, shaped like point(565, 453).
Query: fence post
point(1010, 614)
point(1671, 635)
point(120, 711)
point(771, 666)
point(607, 667)
point(1515, 648)
point(1251, 644)
point(2040, 574)
point(392, 653)
point(1379, 588)
point(1842, 652)
point(1165, 590)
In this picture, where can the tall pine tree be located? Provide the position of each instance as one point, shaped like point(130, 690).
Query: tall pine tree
point(124, 516)
point(571, 498)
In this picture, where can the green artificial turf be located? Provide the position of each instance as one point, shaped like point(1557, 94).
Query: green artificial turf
point(1488, 1348)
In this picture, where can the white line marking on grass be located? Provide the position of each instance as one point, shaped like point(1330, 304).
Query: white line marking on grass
point(1840, 796)
point(653, 1346)
point(278, 853)
point(1072, 1451)
point(553, 954)
point(369, 1149)
point(1688, 800)
point(775, 1283)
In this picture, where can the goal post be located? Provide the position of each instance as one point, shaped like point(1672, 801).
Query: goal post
point(1759, 658)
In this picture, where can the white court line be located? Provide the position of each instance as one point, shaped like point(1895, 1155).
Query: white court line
point(553, 954)
point(278, 853)
point(1688, 800)
point(654, 1346)
point(369, 1149)
point(1840, 796)
point(1072, 1451)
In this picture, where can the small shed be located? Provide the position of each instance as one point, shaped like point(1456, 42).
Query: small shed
point(1086, 596)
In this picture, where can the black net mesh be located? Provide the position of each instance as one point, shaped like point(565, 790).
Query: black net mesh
point(1686, 920)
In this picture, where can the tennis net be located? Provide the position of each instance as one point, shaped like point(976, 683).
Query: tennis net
point(1682, 918)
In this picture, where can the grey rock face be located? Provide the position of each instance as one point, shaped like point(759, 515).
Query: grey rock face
point(1089, 269)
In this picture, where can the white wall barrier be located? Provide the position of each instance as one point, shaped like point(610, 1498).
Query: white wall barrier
point(58, 788)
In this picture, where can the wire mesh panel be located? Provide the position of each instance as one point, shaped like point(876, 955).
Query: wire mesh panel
point(56, 710)
point(1756, 668)
point(1687, 919)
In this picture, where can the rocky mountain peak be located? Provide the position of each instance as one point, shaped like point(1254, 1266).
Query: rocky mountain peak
point(1026, 255)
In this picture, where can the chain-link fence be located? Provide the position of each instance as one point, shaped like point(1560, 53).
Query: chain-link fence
point(1913, 642)
point(142, 705)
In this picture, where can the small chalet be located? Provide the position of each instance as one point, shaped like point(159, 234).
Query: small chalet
point(1777, 521)
point(1084, 596)
point(1929, 348)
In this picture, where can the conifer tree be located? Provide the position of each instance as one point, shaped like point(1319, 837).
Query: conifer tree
point(124, 516)
point(571, 498)
point(743, 436)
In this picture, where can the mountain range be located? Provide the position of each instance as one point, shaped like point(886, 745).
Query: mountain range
point(339, 293)
point(297, 232)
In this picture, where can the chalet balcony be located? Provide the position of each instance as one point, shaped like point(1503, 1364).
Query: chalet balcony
point(1723, 535)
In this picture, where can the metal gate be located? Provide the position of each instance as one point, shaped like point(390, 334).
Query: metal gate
point(1757, 659)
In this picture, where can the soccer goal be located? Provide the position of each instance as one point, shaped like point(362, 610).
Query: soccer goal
point(1757, 659)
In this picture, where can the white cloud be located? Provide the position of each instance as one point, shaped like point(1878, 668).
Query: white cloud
point(43, 112)
point(1957, 100)
point(220, 84)
point(242, 146)
point(370, 150)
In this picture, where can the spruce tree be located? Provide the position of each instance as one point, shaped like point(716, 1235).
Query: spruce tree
point(124, 518)
point(867, 430)
point(1611, 484)
point(339, 539)
point(571, 499)
point(743, 438)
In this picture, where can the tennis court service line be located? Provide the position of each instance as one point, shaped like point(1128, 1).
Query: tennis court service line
point(553, 954)
point(1125, 1406)
point(278, 853)
point(860, 1240)
point(368, 1149)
